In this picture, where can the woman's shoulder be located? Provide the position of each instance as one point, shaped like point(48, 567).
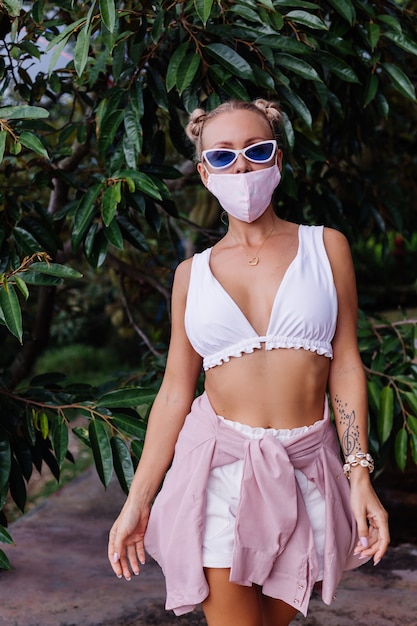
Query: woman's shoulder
point(183, 270)
point(335, 242)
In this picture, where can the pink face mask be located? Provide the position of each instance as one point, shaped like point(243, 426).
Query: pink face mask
point(245, 196)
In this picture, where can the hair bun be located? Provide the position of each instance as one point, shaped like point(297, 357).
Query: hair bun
point(195, 125)
point(271, 110)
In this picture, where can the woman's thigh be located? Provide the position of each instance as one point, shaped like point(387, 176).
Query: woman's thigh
point(229, 604)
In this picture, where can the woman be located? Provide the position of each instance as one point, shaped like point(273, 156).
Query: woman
point(255, 510)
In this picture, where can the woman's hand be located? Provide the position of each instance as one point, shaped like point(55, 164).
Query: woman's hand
point(126, 550)
point(371, 517)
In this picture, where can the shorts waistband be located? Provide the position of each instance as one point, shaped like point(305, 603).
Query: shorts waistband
point(257, 432)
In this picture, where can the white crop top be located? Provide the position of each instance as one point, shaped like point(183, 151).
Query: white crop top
point(303, 314)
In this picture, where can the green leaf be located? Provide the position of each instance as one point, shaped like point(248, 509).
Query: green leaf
point(56, 54)
point(122, 462)
point(413, 445)
point(391, 21)
point(34, 278)
point(108, 129)
point(402, 41)
point(136, 100)
point(12, 315)
point(373, 396)
point(65, 34)
point(132, 233)
point(44, 424)
point(412, 424)
point(374, 32)
point(268, 4)
point(4, 561)
point(31, 141)
point(400, 448)
point(29, 427)
point(110, 201)
point(5, 537)
point(137, 448)
point(203, 9)
point(5, 459)
point(13, 7)
point(231, 60)
point(345, 8)
point(142, 181)
point(17, 485)
point(96, 246)
point(23, 112)
point(114, 235)
point(337, 66)
point(21, 285)
point(412, 401)
point(129, 425)
point(108, 14)
point(306, 19)
point(187, 70)
point(59, 439)
point(386, 414)
point(129, 396)
point(133, 130)
point(3, 137)
point(371, 89)
point(298, 66)
point(308, 149)
point(285, 44)
point(157, 26)
point(100, 445)
point(25, 240)
point(84, 214)
point(288, 130)
point(400, 81)
point(82, 434)
point(81, 50)
point(55, 269)
point(298, 105)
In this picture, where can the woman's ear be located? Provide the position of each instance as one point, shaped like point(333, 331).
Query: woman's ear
point(203, 173)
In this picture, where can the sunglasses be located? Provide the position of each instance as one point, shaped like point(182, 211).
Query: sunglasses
point(260, 152)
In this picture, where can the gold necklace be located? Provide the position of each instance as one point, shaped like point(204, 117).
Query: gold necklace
point(254, 260)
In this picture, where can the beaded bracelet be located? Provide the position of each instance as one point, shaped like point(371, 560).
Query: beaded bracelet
point(360, 458)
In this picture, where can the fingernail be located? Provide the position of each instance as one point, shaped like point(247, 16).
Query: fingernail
point(119, 576)
point(115, 557)
point(377, 561)
point(128, 578)
point(364, 542)
point(142, 562)
point(364, 556)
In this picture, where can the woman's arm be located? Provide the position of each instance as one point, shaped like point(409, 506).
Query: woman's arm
point(171, 406)
point(348, 395)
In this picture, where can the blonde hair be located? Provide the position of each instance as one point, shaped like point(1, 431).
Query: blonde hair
point(270, 112)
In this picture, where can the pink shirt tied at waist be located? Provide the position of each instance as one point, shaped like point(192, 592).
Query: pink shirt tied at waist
point(274, 544)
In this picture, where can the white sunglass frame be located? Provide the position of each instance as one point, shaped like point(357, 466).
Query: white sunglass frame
point(241, 151)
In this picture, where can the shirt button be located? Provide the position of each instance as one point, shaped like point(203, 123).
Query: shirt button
point(296, 601)
point(301, 586)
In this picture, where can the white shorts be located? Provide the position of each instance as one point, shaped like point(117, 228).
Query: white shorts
point(223, 490)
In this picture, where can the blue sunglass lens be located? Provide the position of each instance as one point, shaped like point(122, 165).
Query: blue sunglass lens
point(220, 158)
point(261, 152)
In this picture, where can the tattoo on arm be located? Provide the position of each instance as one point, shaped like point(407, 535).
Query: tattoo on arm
point(347, 420)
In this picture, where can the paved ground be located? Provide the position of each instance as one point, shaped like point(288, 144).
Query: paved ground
point(61, 576)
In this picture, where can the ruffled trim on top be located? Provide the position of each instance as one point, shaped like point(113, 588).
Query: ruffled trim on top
point(323, 348)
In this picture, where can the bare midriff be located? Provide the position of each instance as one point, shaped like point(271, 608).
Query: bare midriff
point(281, 388)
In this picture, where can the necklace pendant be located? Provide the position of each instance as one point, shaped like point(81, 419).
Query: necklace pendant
point(253, 261)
